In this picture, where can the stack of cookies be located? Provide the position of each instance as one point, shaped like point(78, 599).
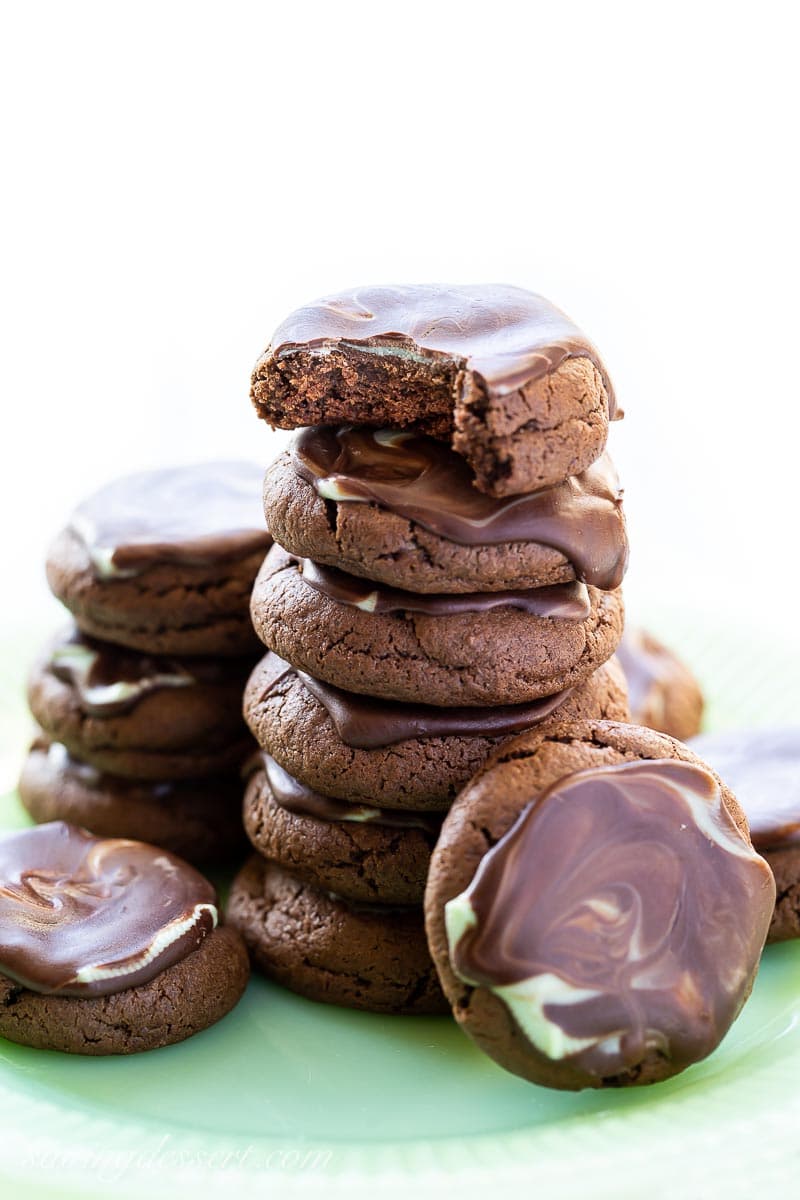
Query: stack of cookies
point(139, 701)
point(449, 549)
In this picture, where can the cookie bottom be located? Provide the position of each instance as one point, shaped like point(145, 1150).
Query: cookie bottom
point(320, 946)
point(183, 1000)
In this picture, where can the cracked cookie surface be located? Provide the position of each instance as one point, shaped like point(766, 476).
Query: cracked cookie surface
point(330, 950)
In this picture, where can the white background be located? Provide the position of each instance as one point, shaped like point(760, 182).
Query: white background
point(178, 176)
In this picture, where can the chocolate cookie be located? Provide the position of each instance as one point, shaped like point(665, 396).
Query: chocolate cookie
point(662, 691)
point(594, 907)
point(402, 510)
point(447, 650)
point(360, 852)
point(762, 766)
point(138, 716)
point(108, 946)
point(164, 561)
point(198, 819)
point(498, 371)
point(391, 755)
point(317, 944)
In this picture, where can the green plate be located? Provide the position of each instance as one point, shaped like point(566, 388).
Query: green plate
point(290, 1098)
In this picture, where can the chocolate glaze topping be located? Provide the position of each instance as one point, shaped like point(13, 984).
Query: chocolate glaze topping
point(201, 514)
point(645, 665)
point(424, 481)
point(623, 913)
point(366, 723)
point(294, 796)
point(109, 680)
point(506, 336)
point(86, 916)
point(762, 769)
point(57, 764)
point(563, 602)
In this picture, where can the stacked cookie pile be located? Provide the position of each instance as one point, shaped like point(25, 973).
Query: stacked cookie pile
point(449, 549)
point(139, 701)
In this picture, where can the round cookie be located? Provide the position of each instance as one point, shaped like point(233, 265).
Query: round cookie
point(663, 693)
point(574, 908)
point(392, 755)
point(200, 820)
point(762, 766)
point(138, 716)
point(504, 654)
point(403, 511)
point(317, 944)
point(497, 370)
point(108, 946)
point(164, 561)
point(365, 854)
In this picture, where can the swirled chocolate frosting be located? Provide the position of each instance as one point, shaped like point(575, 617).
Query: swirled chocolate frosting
point(622, 914)
point(109, 680)
point(194, 515)
point(87, 916)
point(505, 335)
point(424, 481)
point(561, 602)
point(366, 723)
point(762, 769)
point(295, 797)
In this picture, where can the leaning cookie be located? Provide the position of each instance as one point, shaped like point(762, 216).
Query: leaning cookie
point(662, 691)
point(197, 819)
point(595, 909)
point(482, 649)
point(390, 755)
point(498, 371)
point(164, 561)
point(360, 852)
point(403, 510)
point(762, 766)
point(108, 946)
point(139, 716)
point(359, 956)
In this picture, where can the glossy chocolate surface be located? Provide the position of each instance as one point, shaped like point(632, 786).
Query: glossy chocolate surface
point(366, 723)
point(561, 602)
point(622, 914)
point(762, 769)
point(424, 481)
point(109, 680)
point(201, 514)
point(294, 796)
point(86, 916)
point(506, 336)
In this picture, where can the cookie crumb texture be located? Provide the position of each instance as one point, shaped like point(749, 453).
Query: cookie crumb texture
point(785, 866)
point(183, 1000)
point(323, 948)
point(498, 372)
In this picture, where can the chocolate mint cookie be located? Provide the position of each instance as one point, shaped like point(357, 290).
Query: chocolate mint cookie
point(164, 561)
point(402, 510)
point(662, 691)
point(108, 946)
point(480, 649)
point(762, 766)
point(595, 909)
point(139, 716)
point(391, 755)
point(198, 819)
point(498, 371)
point(361, 852)
point(360, 956)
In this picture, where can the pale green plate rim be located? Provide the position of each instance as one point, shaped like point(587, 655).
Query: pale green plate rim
point(746, 1132)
